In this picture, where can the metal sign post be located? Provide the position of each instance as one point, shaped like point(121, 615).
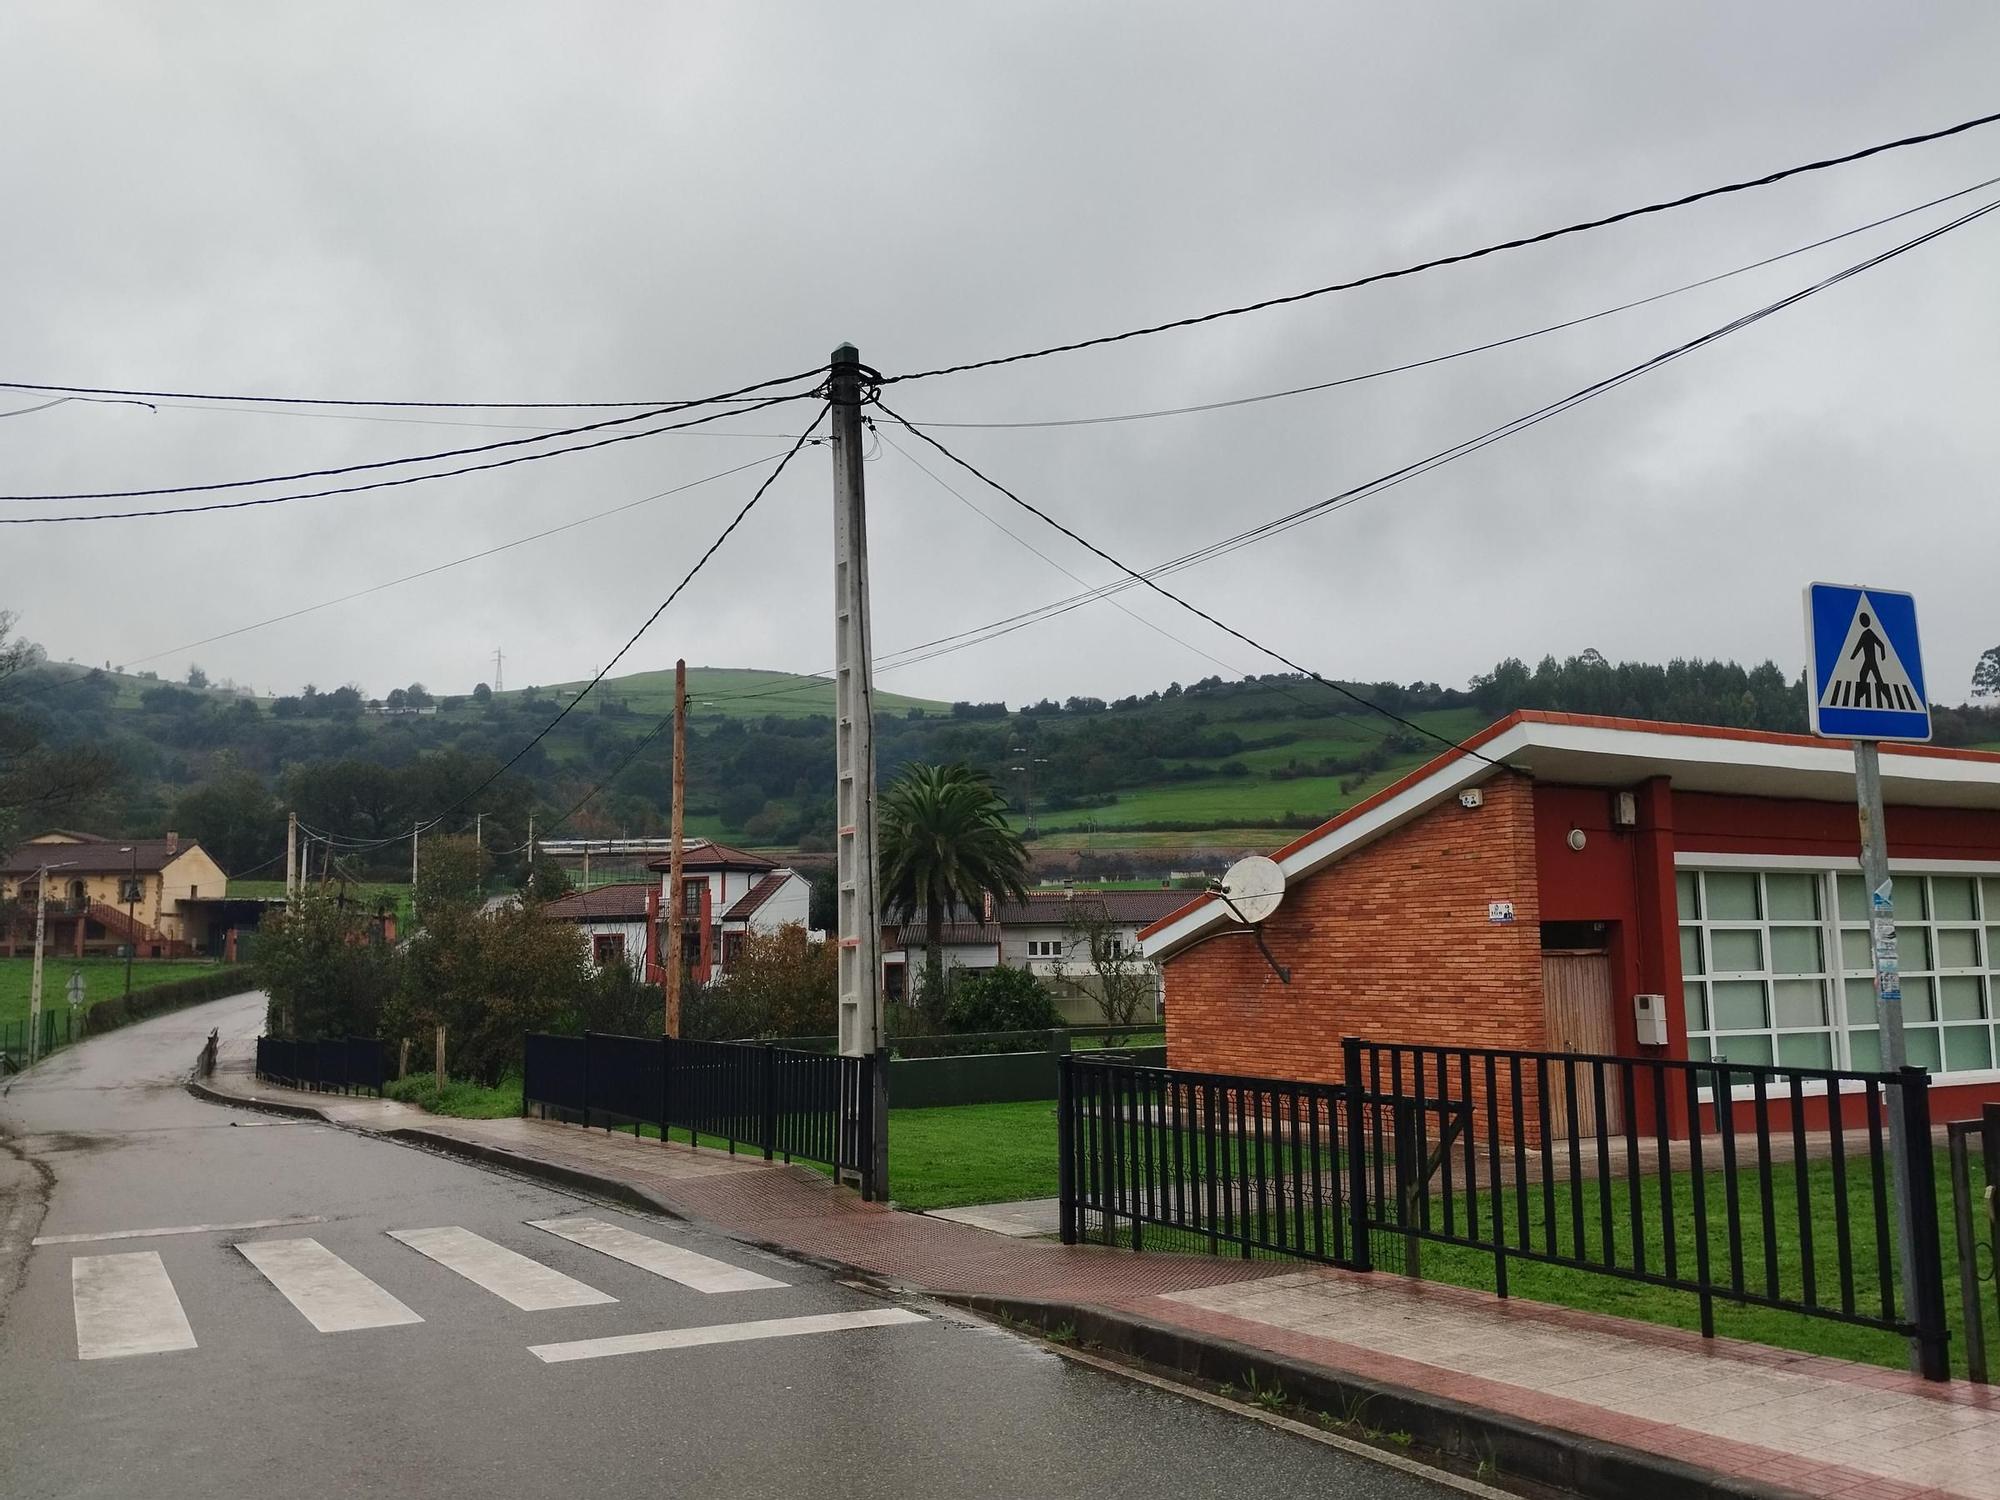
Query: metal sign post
point(1865, 682)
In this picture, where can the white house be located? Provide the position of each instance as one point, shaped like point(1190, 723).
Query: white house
point(614, 921)
point(729, 894)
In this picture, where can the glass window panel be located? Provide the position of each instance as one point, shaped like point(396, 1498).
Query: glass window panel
point(1860, 1002)
point(1952, 898)
point(1695, 997)
point(1690, 950)
point(1993, 947)
point(1919, 1004)
point(1744, 1049)
point(1913, 948)
point(1853, 898)
point(1864, 1051)
point(1967, 1048)
point(1792, 897)
point(1812, 1049)
point(1698, 1048)
point(1736, 952)
point(1795, 950)
point(1739, 1006)
point(1921, 1046)
point(1989, 897)
point(1960, 998)
point(1854, 952)
point(1911, 902)
point(1732, 896)
point(1687, 886)
point(1798, 1002)
point(1958, 947)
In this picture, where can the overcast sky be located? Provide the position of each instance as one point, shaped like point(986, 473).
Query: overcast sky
point(538, 202)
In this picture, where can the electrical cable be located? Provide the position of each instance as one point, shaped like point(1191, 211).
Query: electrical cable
point(81, 392)
point(700, 563)
point(1491, 344)
point(421, 458)
point(381, 484)
point(1459, 257)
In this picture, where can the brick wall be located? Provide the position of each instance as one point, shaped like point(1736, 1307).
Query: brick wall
point(1391, 943)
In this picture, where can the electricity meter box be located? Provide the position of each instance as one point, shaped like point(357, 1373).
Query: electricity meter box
point(1649, 1016)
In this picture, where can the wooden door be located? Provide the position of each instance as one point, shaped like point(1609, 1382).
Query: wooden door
point(1576, 998)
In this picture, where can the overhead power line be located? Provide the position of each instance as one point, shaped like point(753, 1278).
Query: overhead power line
point(423, 458)
point(604, 671)
point(1457, 258)
point(81, 391)
point(383, 484)
point(1490, 344)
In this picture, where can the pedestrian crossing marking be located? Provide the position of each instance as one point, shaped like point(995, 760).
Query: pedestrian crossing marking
point(155, 1234)
point(528, 1284)
point(1868, 673)
point(722, 1333)
point(333, 1296)
point(126, 1304)
point(674, 1262)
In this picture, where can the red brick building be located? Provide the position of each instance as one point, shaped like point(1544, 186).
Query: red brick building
point(1522, 891)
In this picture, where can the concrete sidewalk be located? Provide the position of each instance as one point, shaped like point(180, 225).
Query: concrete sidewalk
point(1594, 1403)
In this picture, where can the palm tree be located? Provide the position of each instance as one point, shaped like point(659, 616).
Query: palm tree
point(945, 840)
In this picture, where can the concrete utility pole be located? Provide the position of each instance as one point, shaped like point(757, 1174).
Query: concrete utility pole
point(35, 979)
point(861, 1030)
point(131, 914)
point(531, 853)
point(676, 880)
point(479, 832)
point(291, 856)
point(415, 829)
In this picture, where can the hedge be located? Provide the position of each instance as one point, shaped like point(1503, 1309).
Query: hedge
point(123, 1010)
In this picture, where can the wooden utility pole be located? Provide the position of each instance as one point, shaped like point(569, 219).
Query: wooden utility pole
point(676, 880)
point(531, 854)
point(292, 856)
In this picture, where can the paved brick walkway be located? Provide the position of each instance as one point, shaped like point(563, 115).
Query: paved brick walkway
point(1790, 1421)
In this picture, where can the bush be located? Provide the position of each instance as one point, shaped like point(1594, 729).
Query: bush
point(122, 1010)
point(1002, 999)
point(326, 970)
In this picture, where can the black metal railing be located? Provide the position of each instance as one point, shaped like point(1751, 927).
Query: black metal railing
point(1760, 1186)
point(786, 1103)
point(1974, 1147)
point(336, 1064)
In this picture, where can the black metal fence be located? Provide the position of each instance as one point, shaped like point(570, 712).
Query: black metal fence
point(1759, 1186)
point(1974, 1147)
point(778, 1100)
point(338, 1064)
point(61, 1025)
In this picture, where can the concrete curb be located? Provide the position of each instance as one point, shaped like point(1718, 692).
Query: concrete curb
point(1520, 1449)
point(531, 1166)
point(211, 1095)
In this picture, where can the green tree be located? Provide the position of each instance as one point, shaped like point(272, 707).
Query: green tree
point(945, 841)
point(1116, 976)
point(1000, 999)
point(323, 969)
point(1986, 675)
point(235, 817)
point(782, 984)
point(39, 779)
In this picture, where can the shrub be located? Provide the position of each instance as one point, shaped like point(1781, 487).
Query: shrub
point(122, 1010)
point(1002, 999)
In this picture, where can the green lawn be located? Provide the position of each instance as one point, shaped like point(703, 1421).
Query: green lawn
point(727, 692)
point(103, 978)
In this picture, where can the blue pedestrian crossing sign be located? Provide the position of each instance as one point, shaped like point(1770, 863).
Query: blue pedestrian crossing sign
point(1865, 673)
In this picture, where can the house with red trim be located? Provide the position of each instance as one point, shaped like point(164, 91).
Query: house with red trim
point(1561, 880)
point(730, 893)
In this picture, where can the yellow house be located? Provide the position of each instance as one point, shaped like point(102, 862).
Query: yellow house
point(161, 895)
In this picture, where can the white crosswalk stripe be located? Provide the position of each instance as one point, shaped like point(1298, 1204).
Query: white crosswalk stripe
point(691, 1269)
point(126, 1304)
point(722, 1333)
point(334, 1297)
point(528, 1284)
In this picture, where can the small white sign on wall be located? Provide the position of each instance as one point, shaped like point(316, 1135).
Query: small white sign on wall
point(1500, 911)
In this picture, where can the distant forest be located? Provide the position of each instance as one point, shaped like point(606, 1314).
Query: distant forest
point(225, 768)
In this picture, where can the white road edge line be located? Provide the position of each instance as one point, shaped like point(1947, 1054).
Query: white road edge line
point(332, 1295)
point(507, 1274)
point(153, 1234)
point(126, 1304)
point(690, 1268)
point(1348, 1445)
point(723, 1333)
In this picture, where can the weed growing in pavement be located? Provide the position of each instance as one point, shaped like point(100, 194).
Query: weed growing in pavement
point(1062, 1333)
point(1271, 1397)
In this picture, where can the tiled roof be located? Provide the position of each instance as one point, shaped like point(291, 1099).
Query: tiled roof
point(1045, 907)
point(756, 896)
point(956, 935)
point(625, 902)
point(96, 857)
point(706, 854)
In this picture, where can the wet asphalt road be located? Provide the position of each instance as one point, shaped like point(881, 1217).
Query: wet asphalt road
point(266, 1405)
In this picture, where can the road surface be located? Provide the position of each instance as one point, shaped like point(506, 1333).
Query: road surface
point(429, 1328)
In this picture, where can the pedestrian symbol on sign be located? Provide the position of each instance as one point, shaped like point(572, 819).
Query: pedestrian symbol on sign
point(1867, 674)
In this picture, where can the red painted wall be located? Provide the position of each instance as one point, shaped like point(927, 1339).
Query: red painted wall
point(1711, 824)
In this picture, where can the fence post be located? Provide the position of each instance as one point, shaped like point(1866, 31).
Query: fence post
point(440, 1060)
point(666, 1082)
point(1932, 1342)
point(1066, 1143)
point(770, 1100)
point(1360, 1252)
point(1965, 1221)
point(878, 1119)
point(403, 1059)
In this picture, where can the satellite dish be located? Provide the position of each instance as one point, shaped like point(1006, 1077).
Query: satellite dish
point(1252, 888)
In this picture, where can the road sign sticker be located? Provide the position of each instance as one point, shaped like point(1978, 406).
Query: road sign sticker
point(1867, 675)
